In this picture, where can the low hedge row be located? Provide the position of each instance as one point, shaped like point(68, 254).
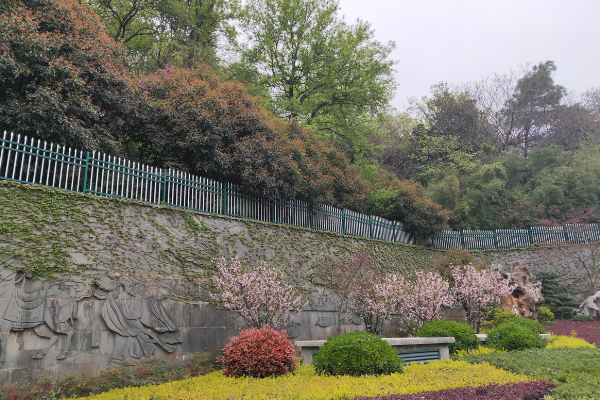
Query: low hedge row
point(305, 383)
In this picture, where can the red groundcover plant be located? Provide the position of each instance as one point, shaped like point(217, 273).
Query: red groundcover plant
point(517, 391)
point(258, 352)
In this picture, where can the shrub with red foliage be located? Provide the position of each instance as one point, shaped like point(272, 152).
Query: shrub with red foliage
point(517, 391)
point(258, 352)
point(588, 331)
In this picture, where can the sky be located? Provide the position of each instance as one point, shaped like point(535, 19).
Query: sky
point(458, 41)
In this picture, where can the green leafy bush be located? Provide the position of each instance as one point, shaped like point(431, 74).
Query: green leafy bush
point(497, 317)
point(510, 336)
point(356, 354)
point(582, 318)
point(462, 333)
point(527, 323)
point(545, 315)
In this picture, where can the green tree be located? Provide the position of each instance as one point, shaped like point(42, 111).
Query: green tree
point(169, 32)
point(327, 74)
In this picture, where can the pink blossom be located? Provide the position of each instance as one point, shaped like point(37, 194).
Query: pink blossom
point(478, 291)
point(260, 295)
point(420, 299)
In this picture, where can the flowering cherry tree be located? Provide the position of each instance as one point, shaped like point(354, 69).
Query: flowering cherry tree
point(260, 295)
point(371, 298)
point(420, 299)
point(477, 291)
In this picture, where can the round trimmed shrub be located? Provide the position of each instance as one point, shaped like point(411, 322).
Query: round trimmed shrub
point(510, 336)
point(357, 353)
point(545, 315)
point(258, 352)
point(463, 334)
point(527, 323)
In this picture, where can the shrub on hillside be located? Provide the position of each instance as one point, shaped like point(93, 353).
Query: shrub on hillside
point(356, 354)
point(258, 352)
point(582, 318)
point(545, 315)
point(463, 334)
point(513, 336)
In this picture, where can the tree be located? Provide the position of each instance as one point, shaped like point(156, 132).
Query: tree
point(477, 291)
point(421, 298)
point(63, 79)
point(319, 70)
point(521, 106)
point(372, 299)
point(260, 295)
point(531, 109)
point(215, 130)
point(169, 32)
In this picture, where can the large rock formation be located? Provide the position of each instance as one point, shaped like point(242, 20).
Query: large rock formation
point(526, 298)
point(590, 307)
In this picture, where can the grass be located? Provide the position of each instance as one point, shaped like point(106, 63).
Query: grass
point(576, 371)
point(306, 384)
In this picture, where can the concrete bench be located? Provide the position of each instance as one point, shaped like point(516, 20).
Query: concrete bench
point(410, 349)
point(483, 337)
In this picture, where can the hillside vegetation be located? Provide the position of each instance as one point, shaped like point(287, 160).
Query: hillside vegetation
point(286, 99)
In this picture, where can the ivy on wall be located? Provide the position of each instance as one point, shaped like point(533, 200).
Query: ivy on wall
point(57, 234)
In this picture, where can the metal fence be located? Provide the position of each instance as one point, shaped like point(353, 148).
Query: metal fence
point(512, 238)
point(30, 161)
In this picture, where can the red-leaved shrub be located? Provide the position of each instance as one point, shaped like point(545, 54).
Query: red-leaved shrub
point(258, 352)
point(535, 390)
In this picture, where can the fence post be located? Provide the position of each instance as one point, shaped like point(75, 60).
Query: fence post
point(225, 192)
point(311, 212)
point(566, 234)
point(164, 186)
point(495, 239)
point(85, 172)
point(462, 239)
point(370, 227)
point(272, 209)
point(344, 221)
point(394, 231)
point(530, 236)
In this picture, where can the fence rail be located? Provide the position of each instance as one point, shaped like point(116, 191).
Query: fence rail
point(30, 161)
point(513, 238)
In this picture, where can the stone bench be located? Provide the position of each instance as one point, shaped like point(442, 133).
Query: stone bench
point(410, 349)
point(483, 337)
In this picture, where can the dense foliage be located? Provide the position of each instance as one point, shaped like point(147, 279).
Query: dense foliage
point(142, 373)
point(259, 353)
point(64, 79)
point(357, 354)
point(463, 334)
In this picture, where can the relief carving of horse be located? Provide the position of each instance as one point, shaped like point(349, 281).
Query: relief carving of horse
point(49, 308)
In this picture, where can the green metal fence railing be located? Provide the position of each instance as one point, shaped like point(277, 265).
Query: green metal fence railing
point(515, 238)
point(30, 161)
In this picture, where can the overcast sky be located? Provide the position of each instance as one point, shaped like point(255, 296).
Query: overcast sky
point(457, 41)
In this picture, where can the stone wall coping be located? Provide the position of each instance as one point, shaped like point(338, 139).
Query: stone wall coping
point(483, 337)
point(391, 341)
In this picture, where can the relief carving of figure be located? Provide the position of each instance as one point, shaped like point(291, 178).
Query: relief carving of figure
point(136, 320)
point(50, 308)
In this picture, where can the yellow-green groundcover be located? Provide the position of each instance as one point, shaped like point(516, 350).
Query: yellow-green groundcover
point(306, 384)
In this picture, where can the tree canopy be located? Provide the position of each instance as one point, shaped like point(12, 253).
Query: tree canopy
point(330, 75)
